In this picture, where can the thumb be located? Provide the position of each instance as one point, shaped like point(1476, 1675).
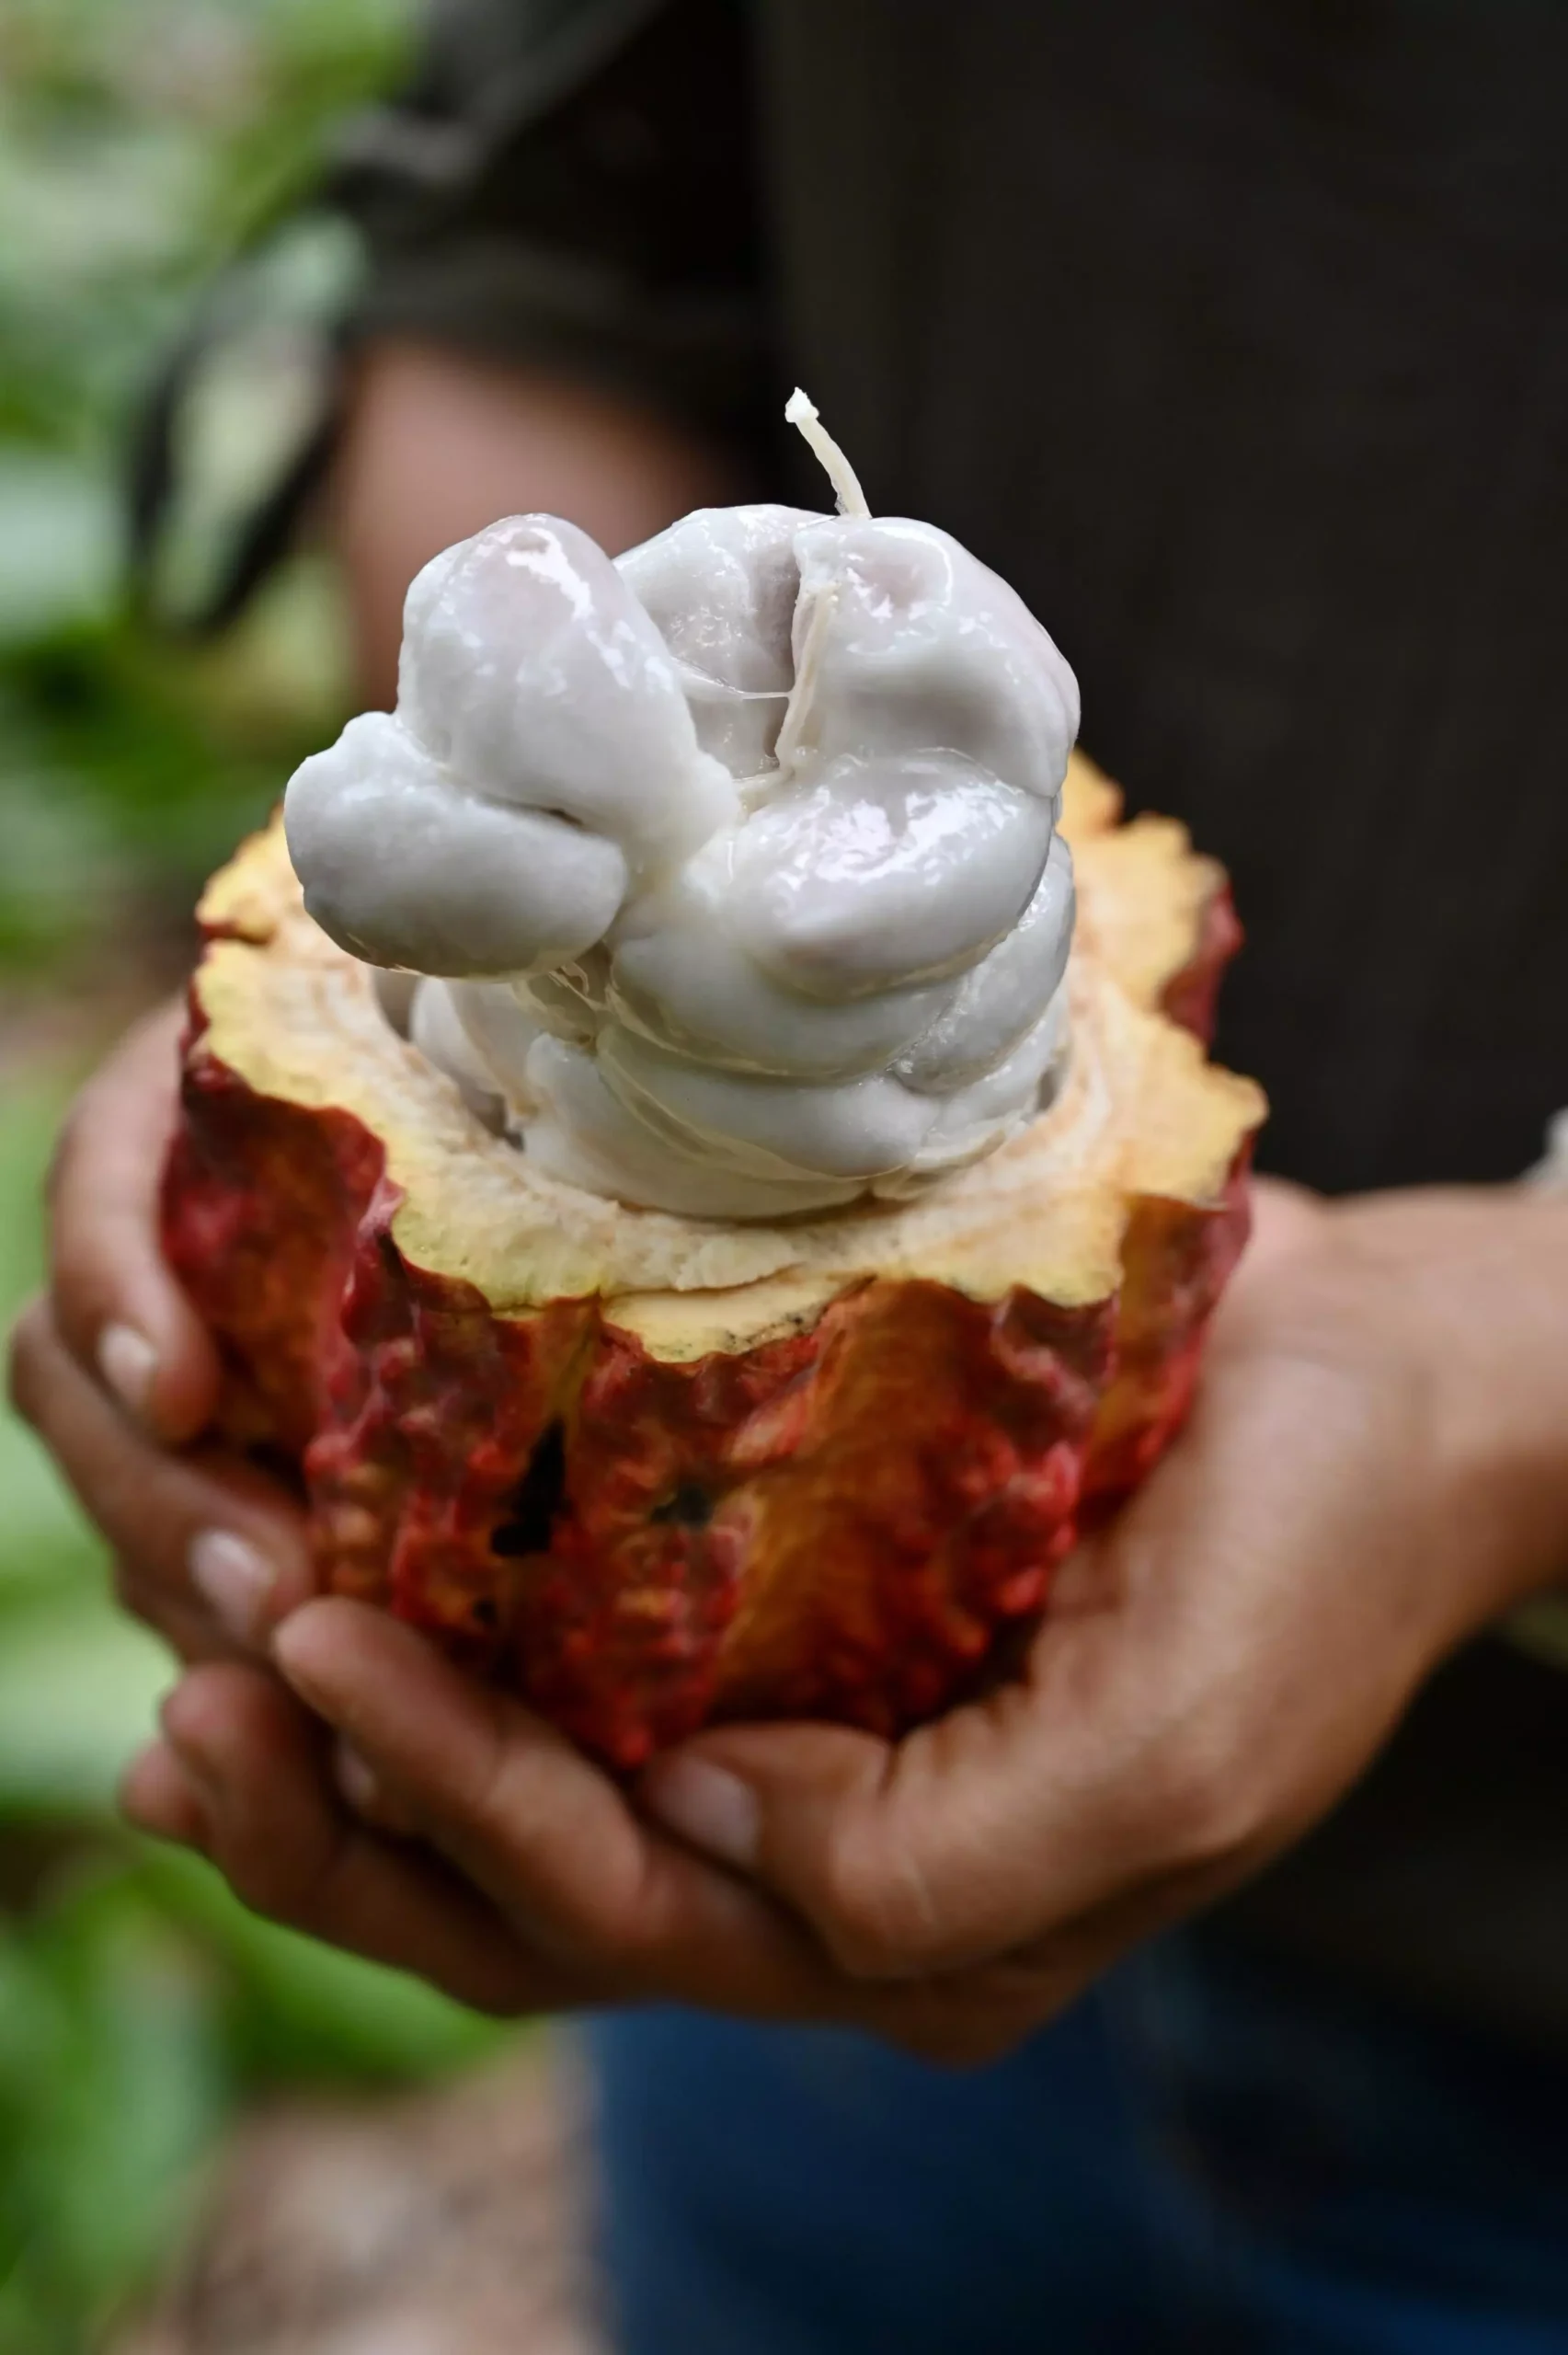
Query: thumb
point(948, 1848)
point(789, 1806)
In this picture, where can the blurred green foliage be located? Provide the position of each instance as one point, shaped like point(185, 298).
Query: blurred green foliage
point(140, 141)
point(139, 2004)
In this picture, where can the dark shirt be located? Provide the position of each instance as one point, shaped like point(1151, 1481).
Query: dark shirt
point(1236, 339)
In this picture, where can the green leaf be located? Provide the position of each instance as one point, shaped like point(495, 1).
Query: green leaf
point(46, 1548)
point(79, 1687)
point(113, 2080)
point(59, 542)
point(34, 1108)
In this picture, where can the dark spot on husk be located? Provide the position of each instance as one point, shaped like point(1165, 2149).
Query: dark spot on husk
point(535, 1501)
point(689, 1507)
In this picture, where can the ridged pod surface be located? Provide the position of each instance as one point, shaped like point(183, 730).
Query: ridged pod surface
point(649, 1472)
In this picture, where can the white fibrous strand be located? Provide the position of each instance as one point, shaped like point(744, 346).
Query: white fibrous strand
point(729, 869)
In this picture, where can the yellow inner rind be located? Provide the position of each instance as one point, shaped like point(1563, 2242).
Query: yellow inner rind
point(1141, 1113)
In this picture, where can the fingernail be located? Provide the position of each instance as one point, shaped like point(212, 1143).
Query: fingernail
point(713, 1809)
point(299, 1676)
point(128, 1362)
point(231, 1575)
point(356, 1780)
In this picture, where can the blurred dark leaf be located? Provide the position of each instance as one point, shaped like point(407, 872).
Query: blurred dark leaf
point(140, 145)
point(140, 140)
point(113, 2077)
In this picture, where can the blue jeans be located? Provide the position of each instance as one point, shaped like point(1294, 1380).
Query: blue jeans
point(1209, 2153)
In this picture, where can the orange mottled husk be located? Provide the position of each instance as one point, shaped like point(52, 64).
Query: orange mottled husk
point(847, 1521)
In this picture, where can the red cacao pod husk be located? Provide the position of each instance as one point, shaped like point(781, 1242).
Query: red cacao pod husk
point(651, 1472)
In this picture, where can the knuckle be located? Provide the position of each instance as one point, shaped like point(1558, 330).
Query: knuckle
point(284, 1882)
point(494, 1803)
point(584, 1896)
point(878, 1912)
point(1207, 1806)
point(500, 1820)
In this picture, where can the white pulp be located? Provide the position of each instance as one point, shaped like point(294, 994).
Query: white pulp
point(732, 864)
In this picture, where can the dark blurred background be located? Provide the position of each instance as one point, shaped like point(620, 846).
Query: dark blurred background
point(140, 145)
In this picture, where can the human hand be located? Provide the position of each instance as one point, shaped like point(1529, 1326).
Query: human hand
point(480, 1850)
point(1219, 1665)
point(1377, 1466)
point(117, 1374)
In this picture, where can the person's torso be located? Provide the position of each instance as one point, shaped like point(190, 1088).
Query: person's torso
point(1238, 339)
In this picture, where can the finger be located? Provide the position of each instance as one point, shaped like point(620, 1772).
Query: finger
point(203, 1540)
point(545, 1834)
point(363, 1791)
point(158, 1795)
point(1167, 1720)
point(291, 1852)
point(966, 1839)
point(118, 1309)
point(260, 1779)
